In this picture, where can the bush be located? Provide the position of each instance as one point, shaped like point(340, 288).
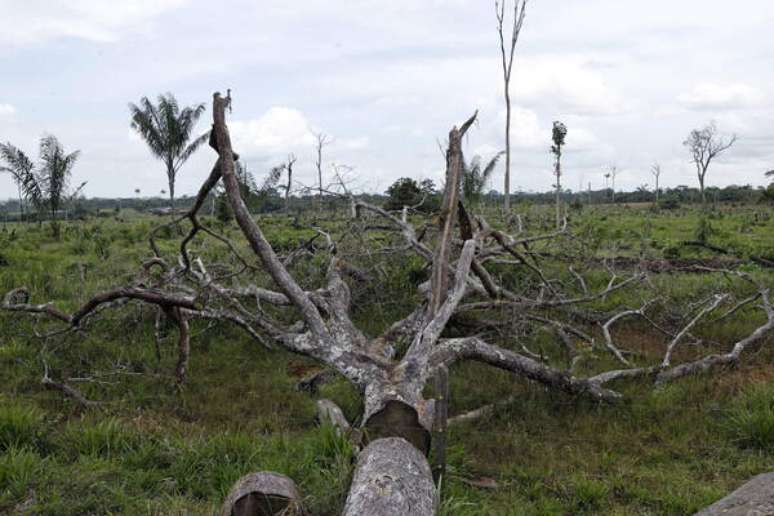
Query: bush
point(704, 230)
point(670, 203)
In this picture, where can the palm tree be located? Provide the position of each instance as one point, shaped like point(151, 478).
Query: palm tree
point(475, 178)
point(45, 186)
point(20, 167)
point(167, 130)
point(55, 169)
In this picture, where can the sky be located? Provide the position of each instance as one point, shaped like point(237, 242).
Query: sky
point(387, 80)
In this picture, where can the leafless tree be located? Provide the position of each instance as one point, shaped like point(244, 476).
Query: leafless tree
point(323, 140)
point(655, 170)
point(507, 55)
point(704, 146)
point(611, 174)
point(558, 135)
point(393, 475)
point(288, 187)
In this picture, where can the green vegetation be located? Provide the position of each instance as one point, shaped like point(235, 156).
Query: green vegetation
point(153, 448)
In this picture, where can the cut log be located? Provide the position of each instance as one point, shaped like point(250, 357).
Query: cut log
point(756, 497)
point(263, 494)
point(392, 478)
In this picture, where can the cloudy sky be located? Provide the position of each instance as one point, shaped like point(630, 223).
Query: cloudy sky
point(386, 79)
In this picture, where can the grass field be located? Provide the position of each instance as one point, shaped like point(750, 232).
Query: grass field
point(153, 448)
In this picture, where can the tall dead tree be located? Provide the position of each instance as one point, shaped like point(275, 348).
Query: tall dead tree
point(655, 170)
point(322, 141)
point(704, 146)
point(611, 174)
point(557, 136)
point(392, 475)
point(507, 54)
point(288, 188)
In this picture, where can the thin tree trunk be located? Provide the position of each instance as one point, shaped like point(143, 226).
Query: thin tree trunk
point(558, 191)
point(287, 190)
point(507, 147)
point(703, 195)
point(21, 203)
point(171, 178)
point(656, 190)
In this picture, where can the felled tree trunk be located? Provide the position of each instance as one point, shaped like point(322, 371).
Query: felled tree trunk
point(392, 478)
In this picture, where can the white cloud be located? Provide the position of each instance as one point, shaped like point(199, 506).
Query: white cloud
point(358, 143)
point(38, 21)
point(7, 110)
point(570, 83)
point(717, 96)
point(280, 130)
point(526, 131)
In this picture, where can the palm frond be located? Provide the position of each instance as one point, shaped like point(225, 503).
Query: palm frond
point(18, 164)
point(490, 167)
point(192, 147)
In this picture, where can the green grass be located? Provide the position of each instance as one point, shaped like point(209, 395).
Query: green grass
point(152, 448)
point(750, 420)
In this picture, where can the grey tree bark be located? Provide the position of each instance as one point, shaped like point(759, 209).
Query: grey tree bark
point(507, 56)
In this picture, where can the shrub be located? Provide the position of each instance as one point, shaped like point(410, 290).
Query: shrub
point(670, 203)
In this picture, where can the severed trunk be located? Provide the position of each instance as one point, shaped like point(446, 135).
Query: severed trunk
point(392, 478)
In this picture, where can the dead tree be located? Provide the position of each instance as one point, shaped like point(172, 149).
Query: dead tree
point(558, 135)
point(322, 141)
point(507, 55)
point(655, 170)
point(704, 146)
point(393, 475)
point(289, 169)
point(611, 175)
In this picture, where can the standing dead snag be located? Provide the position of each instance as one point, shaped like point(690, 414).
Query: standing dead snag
point(705, 145)
point(507, 64)
point(655, 170)
point(322, 141)
point(288, 188)
point(558, 135)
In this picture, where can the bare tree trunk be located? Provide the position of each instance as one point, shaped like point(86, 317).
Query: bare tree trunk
point(701, 190)
point(21, 203)
point(392, 478)
point(558, 192)
point(171, 179)
point(287, 190)
point(657, 192)
point(507, 187)
point(322, 141)
point(507, 64)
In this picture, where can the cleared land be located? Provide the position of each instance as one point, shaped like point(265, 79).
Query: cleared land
point(153, 448)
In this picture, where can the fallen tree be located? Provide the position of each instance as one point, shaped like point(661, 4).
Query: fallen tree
point(393, 475)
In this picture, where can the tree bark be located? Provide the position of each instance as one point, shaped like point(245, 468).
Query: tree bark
point(263, 494)
point(171, 178)
point(392, 479)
